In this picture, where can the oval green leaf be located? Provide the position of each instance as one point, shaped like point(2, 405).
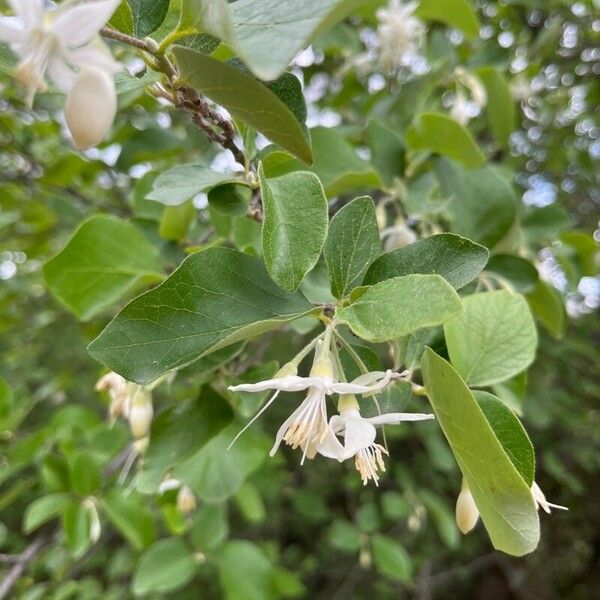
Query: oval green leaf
point(503, 498)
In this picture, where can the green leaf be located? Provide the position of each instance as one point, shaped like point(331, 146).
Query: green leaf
point(229, 199)
point(387, 150)
point(493, 339)
point(104, 259)
point(6, 399)
point(545, 224)
point(483, 203)
point(503, 498)
point(510, 433)
point(443, 518)
point(512, 392)
point(181, 183)
point(549, 308)
point(440, 134)
point(85, 474)
point(245, 572)
point(517, 271)
point(338, 166)
point(399, 306)
point(76, 524)
point(249, 100)
point(215, 298)
point(43, 509)
point(166, 566)
point(352, 245)
point(294, 226)
point(176, 221)
point(131, 516)
point(215, 472)
point(344, 536)
point(391, 558)
point(455, 13)
point(457, 259)
point(500, 107)
point(267, 34)
point(210, 527)
point(179, 431)
point(148, 15)
point(122, 18)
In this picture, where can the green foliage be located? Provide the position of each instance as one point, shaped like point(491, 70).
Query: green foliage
point(398, 306)
point(493, 339)
point(229, 193)
point(144, 342)
point(293, 233)
point(103, 260)
point(352, 245)
point(502, 496)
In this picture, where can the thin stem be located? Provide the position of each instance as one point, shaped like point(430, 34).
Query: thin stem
point(113, 34)
point(355, 357)
point(175, 35)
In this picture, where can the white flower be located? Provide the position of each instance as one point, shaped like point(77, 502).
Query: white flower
point(462, 109)
point(359, 437)
point(400, 33)
point(59, 41)
point(397, 236)
point(467, 513)
point(307, 426)
point(119, 391)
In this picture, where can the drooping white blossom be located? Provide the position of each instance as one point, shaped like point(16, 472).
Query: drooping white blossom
point(359, 435)
point(307, 426)
point(63, 43)
point(119, 391)
point(540, 500)
point(400, 34)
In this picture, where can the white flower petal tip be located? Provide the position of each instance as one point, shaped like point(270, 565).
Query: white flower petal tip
point(91, 108)
point(540, 500)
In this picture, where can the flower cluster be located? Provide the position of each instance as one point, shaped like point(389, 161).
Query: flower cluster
point(401, 35)
point(63, 43)
point(470, 97)
point(309, 428)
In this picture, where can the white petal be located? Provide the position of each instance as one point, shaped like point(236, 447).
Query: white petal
point(331, 447)
point(95, 54)
point(281, 431)
point(291, 383)
point(32, 11)
point(61, 74)
point(359, 434)
point(12, 30)
point(77, 25)
point(91, 107)
point(394, 418)
point(359, 388)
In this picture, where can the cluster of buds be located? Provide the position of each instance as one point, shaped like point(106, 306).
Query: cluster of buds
point(130, 401)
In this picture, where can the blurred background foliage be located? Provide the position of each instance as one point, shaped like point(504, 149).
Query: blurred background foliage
point(267, 528)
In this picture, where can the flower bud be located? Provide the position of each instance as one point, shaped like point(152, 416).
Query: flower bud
point(186, 501)
point(95, 526)
point(467, 513)
point(91, 107)
point(141, 413)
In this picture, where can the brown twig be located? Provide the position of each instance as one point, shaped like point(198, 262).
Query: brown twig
point(113, 34)
point(21, 563)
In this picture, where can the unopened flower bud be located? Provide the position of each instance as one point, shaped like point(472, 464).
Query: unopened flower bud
point(141, 413)
point(467, 513)
point(186, 501)
point(91, 107)
point(95, 526)
point(287, 370)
